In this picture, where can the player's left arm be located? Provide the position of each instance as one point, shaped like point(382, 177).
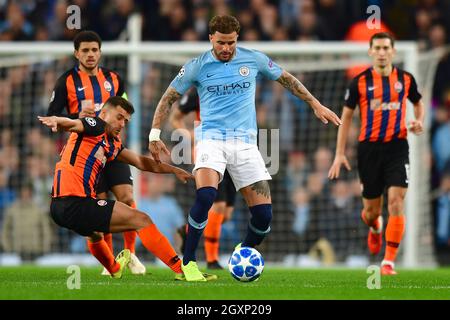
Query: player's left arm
point(294, 85)
point(416, 125)
point(64, 123)
point(147, 164)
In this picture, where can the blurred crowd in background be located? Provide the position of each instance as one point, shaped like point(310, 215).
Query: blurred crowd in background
point(317, 213)
point(262, 20)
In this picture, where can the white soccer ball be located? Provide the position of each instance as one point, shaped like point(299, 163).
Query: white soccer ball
point(246, 264)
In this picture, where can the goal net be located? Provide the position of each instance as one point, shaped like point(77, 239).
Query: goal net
point(315, 221)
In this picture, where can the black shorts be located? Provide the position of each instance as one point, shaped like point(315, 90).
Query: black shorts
point(114, 173)
point(382, 165)
point(82, 215)
point(226, 190)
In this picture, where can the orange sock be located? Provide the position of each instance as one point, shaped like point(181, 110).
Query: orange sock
point(394, 234)
point(129, 237)
point(129, 240)
point(157, 243)
point(212, 236)
point(108, 239)
point(101, 251)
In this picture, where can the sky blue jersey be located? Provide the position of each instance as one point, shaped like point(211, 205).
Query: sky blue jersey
point(227, 92)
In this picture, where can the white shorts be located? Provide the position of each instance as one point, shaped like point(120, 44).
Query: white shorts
point(242, 160)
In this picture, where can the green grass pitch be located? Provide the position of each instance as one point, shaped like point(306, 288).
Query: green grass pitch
point(32, 282)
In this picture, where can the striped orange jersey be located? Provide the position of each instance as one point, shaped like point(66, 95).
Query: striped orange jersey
point(382, 103)
point(83, 158)
point(75, 87)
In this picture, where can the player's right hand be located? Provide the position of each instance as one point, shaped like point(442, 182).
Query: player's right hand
point(156, 147)
point(183, 176)
point(50, 122)
point(335, 169)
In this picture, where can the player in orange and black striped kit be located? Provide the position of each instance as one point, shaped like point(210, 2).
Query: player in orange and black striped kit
point(81, 91)
point(92, 143)
point(381, 92)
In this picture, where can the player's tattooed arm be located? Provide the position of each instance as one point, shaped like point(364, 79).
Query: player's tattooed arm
point(164, 105)
point(294, 85)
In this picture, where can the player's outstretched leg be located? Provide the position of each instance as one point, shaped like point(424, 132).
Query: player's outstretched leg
point(197, 220)
point(108, 239)
point(155, 242)
point(99, 249)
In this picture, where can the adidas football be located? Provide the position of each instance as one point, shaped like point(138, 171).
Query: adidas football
point(246, 264)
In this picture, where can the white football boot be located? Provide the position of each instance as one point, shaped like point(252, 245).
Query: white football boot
point(136, 267)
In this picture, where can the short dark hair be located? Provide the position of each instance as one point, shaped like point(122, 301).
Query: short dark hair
point(121, 102)
point(224, 24)
point(382, 35)
point(86, 36)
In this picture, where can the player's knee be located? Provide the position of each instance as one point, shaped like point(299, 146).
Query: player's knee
point(261, 217)
point(205, 197)
point(127, 198)
point(372, 212)
point(141, 220)
point(95, 237)
point(395, 205)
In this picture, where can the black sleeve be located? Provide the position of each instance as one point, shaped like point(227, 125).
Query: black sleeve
point(413, 95)
point(189, 102)
point(58, 100)
point(121, 89)
point(351, 98)
point(93, 126)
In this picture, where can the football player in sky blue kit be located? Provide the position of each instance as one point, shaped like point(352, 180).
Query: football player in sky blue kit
point(225, 78)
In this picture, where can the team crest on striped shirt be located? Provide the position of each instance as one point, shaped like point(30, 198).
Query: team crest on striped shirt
point(398, 86)
point(107, 86)
point(102, 203)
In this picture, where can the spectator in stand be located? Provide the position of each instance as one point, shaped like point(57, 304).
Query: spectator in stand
point(437, 36)
point(332, 19)
point(16, 27)
point(114, 17)
point(306, 27)
point(200, 20)
point(443, 211)
point(26, 227)
point(300, 202)
point(268, 22)
point(439, 146)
